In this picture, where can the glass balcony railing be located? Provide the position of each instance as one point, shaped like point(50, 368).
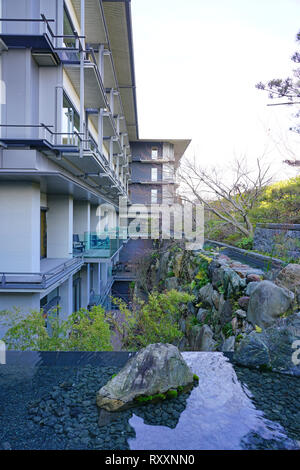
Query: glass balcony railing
point(98, 245)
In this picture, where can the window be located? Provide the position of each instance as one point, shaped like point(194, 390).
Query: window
point(168, 172)
point(70, 122)
point(153, 174)
point(68, 30)
point(154, 153)
point(153, 196)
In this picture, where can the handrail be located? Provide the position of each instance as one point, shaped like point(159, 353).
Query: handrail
point(82, 141)
point(44, 277)
point(46, 21)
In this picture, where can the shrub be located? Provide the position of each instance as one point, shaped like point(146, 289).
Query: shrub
point(153, 322)
point(82, 331)
point(246, 243)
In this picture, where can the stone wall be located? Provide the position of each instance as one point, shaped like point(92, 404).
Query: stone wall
point(278, 239)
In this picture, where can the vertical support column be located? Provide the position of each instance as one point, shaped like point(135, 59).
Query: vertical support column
point(112, 101)
point(118, 125)
point(99, 278)
point(60, 227)
point(100, 130)
point(111, 152)
point(66, 299)
point(88, 282)
point(118, 167)
point(101, 61)
point(82, 117)
point(82, 220)
point(103, 273)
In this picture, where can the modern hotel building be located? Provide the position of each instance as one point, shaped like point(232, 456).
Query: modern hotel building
point(68, 143)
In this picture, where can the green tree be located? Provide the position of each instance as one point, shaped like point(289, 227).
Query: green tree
point(153, 322)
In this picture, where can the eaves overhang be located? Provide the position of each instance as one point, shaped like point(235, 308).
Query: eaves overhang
point(118, 20)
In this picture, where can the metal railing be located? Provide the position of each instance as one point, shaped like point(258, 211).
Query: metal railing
point(48, 135)
point(75, 141)
point(14, 280)
point(53, 38)
point(98, 245)
point(101, 299)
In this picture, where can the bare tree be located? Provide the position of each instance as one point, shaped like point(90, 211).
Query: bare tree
point(231, 196)
point(287, 89)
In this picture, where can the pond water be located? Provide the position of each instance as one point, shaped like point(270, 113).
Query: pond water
point(48, 401)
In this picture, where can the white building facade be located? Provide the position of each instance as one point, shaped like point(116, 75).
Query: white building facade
point(68, 114)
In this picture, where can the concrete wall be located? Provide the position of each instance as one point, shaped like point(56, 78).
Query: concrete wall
point(21, 76)
point(81, 218)
point(141, 193)
point(60, 227)
point(20, 234)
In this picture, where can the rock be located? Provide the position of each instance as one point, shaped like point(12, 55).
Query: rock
point(289, 277)
point(215, 298)
point(154, 369)
point(225, 312)
point(201, 338)
point(228, 344)
point(243, 302)
point(275, 348)
point(191, 308)
point(182, 324)
point(250, 288)
point(177, 263)
point(171, 283)
point(227, 278)
point(205, 294)
point(107, 417)
point(267, 302)
point(202, 314)
point(253, 278)
point(247, 327)
point(235, 324)
point(241, 313)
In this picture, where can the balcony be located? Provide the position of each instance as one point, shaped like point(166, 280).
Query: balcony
point(75, 149)
point(52, 271)
point(98, 245)
point(47, 48)
point(94, 92)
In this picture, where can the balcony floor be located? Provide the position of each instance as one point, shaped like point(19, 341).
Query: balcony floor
point(49, 264)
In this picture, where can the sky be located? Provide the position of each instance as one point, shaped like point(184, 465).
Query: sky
point(197, 63)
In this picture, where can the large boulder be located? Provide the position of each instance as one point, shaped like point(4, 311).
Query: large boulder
point(267, 302)
point(276, 348)
point(229, 280)
point(201, 338)
point(153, 370)
point(289, 277)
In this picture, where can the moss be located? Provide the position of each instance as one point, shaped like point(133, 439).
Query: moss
point(143, 398)
point(159, 396)
point(195, 378)
point(172, 393)
point(113, 376)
